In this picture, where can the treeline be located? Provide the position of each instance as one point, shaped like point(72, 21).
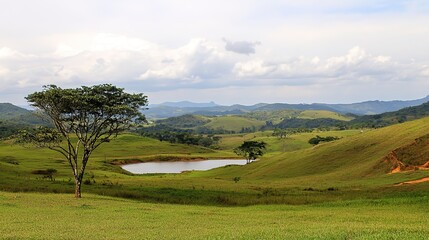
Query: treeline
point(8, 129)
point(390, 118)
point(182, 136)
point(184, 121)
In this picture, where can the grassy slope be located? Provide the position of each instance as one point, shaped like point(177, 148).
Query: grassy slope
point(58, 216)
point(276, 116)
point(233, 123)
point(276, 145)
point(355, 159)
point(315, 114)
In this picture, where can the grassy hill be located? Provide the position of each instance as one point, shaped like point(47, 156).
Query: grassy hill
point(276, 116)
point(228, 123)
point(252, 121)
point(349, 160)
point(233, 123)
point(13, 118)
point(316, 114)
point(389, 118)
point(10, 111)
point(185, 121)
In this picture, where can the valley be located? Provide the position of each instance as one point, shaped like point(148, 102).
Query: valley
point(365, 168)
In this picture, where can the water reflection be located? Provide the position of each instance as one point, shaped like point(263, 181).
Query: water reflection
point(178, 167)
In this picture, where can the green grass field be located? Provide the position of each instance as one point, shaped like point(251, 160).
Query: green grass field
point(58, 216)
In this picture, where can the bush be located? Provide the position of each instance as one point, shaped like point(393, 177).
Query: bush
point(48, 173)
point(316, 140)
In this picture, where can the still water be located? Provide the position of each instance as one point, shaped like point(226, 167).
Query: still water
point(178, 167)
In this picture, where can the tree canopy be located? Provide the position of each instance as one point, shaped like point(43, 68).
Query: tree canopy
point(251, 150)
point(84, 118)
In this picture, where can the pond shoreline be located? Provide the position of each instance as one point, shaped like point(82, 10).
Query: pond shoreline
point(165, 167)
point(164, 158)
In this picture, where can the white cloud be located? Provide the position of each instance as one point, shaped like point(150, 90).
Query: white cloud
point(199, 64)
point(3, 71)
point(241, 47)
point(64, 50)
point(199, 61)
point(357, 65)
point(111, 42)
point(253, 69)
point(11, 54)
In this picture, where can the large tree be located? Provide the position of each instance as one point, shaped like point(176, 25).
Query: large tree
point(83, 118)
point(251, 150)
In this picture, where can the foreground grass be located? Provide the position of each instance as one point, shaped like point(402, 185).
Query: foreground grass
point(59, 216)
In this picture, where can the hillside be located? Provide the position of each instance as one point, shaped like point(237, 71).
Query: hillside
point(13, 118)
point(184, 121)
point(9, 111)
point(234, 123)
point(358, 159)
point(253, 121)
point(412, 156)
point(389, 118)
point(276, 116)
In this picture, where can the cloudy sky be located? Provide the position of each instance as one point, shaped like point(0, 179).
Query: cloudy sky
point(333, 51)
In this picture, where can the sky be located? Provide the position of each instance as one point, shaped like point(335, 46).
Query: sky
point(236, 51)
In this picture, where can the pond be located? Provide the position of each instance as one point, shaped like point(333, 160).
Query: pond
point(179, 166)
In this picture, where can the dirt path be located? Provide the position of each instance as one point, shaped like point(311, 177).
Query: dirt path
point(426, 179)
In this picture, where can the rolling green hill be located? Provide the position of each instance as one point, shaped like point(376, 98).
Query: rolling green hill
point(13, 118)
point(357, 159)
point(316, 114)
point(233, 123)
point(9, 111)
point(185, 121)
point(252, 121)
point(227, 123)
point(17, 115)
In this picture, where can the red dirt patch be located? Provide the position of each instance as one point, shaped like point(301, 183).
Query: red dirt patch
point(426, 179)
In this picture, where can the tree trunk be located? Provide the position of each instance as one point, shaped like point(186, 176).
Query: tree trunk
point(78, 184)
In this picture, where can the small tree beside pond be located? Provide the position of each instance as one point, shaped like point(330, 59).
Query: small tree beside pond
point(251, 150)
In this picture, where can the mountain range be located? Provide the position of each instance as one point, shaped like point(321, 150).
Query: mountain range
point(173, 109)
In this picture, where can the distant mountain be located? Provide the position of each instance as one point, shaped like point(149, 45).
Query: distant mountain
point(164, 111)
point(17, 115)
point(283, 106)
point(170, 109)
point(376, 107)
point(13, 118)
point(390, 118)
point(10, 111)
point(185, 104)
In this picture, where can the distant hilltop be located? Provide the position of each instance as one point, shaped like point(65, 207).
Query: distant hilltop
point(185, 104)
